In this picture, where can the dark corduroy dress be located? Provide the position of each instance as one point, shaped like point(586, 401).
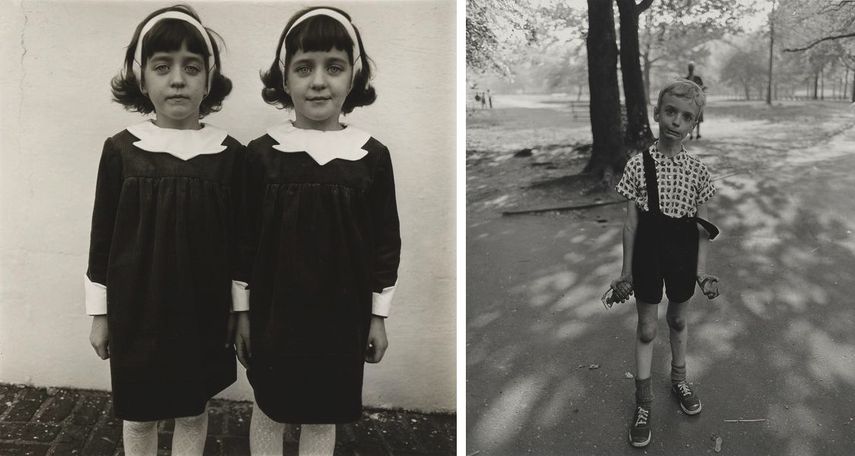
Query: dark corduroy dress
point(162, 243)
point(319, 240)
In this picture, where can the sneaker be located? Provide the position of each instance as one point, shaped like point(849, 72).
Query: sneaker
point(689, 401)
point(639, 430)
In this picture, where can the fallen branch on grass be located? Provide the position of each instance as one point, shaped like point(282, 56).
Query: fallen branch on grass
point(563, 208)
point(758, 420)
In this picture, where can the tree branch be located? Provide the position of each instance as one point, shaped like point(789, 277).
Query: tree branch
point(827, 38)
point(641, 7)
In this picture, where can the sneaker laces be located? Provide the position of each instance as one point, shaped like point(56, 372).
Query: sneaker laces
point(685, 391)
point(641, 415)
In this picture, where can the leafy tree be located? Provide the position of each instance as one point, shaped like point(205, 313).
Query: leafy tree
point(493, 29)
point(674, 32)
point(744, 69)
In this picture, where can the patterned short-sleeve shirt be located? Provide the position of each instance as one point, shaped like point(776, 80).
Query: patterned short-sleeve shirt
point(684, 183)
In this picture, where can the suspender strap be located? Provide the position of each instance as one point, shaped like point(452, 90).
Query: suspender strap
point(651, 183)
point(653, 194)
point(712, 230)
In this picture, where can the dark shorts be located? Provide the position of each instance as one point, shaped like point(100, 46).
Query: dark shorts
point(665, 252)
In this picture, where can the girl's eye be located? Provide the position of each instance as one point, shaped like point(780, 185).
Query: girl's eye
point(302, 70)
point(161, 69)
point(192, 70)
point(335, 69)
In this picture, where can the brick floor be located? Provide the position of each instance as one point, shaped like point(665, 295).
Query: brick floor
point(63, 421)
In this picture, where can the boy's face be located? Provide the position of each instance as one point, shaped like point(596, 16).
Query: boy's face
point(676, 116)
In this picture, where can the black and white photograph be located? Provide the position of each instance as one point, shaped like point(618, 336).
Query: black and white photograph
point(228, 228)
point(659, 227)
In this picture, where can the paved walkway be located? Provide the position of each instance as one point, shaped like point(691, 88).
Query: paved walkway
point(62, 421)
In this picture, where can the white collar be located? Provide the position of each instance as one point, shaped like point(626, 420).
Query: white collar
point(184, 144)
point(322, 146)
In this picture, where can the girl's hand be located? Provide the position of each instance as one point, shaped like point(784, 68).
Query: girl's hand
point(377, 342)
point(708, 284)
point(99, 336)
point(622, 288)
point(244, 352)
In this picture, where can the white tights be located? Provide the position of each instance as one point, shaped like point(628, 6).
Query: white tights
point(140, 437)
point(265, 436)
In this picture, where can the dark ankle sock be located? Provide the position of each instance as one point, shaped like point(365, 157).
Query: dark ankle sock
point(678, 374)
point(643, 392)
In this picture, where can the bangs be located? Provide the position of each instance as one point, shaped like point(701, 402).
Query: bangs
point(169, 34)
point(319, 33)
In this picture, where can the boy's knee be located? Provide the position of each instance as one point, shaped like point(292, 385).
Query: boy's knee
point(646, 332)
point(676, 322)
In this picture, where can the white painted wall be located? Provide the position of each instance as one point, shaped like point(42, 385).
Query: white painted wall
point(55, 112)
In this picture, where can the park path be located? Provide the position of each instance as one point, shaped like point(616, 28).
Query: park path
point(547, 365)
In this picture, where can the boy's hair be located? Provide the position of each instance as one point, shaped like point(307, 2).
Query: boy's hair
point(317, 33)
point(168, 35)
point(685, 89)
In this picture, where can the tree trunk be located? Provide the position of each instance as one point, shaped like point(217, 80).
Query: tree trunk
point(853, 86)
point(638, 133)
point(607, 155)
point(771, 46)
point(822, 85)
point(747, 91)
point(816, 86)
point(647, 65)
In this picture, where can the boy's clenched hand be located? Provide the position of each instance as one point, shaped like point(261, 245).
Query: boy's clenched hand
point(709, 285)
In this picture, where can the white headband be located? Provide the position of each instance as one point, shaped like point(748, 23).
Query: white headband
point(137, 65)
point(348, 26)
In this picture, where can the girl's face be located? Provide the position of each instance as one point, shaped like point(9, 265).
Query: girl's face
point(318, 83)
point(176, 82)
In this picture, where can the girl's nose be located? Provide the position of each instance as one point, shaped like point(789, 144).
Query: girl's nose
point(318, 80)
point(177, 78)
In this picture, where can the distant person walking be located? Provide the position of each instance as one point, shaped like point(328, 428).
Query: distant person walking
point(489, 99)
point(483, 100)
point(700, 82)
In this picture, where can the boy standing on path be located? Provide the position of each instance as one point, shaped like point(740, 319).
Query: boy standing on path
point(662, 244)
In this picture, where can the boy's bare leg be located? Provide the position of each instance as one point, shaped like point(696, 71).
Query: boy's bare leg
point(639, 430)
point(676, 317)
point(648, 316)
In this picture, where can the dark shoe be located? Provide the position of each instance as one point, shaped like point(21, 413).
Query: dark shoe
point(639, 429)
point(689, 401)
point(699, 136)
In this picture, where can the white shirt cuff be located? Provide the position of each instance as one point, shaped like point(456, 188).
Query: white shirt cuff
point(240, 296)
point(95, 296)
point(382, 302)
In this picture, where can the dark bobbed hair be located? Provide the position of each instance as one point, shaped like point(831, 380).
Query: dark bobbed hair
point(166, 36)
point(317, 33)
